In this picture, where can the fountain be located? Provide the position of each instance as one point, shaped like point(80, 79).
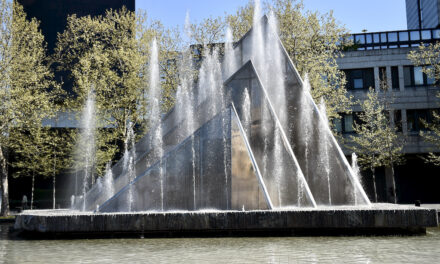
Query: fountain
point(245, 149)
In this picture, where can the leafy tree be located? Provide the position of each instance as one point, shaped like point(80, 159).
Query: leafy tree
point(377, 142)
point(312, 42)
point(42, 151)
point(210, 30)
point(428, 57)
point(24, 82)
point(108, 56)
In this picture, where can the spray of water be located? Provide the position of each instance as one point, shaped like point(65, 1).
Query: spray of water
point(109, 188)
point(85, 152)
point(246, 110)
point(306, 116)
point(211, 89)
point(155, 97)
point(324, 151)
point(130, 171)
point(230, 64)
point(357, 177)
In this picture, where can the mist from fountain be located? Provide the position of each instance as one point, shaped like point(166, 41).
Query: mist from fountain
point(186, 101)
point(267, 56)
point(324, 159)
point(109, 188)
point(230, 63)
point(85, 149)
point(306, 115)
point(357, 176)
point(210, 88)
point(155, 97)
point(72, 202)
point(129, 162)
point(246, 112)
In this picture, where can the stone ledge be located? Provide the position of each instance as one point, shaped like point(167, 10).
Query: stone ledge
point(377, 219)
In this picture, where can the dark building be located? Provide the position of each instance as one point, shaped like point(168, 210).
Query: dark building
point(53, 13)
point(423, 14)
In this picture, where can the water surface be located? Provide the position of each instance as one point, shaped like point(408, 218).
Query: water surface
point(414, 249)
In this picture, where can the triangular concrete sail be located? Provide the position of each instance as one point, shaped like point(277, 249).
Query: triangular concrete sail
point(320, 157)
point(248, 189)
point(279, 168)
point(299, 159)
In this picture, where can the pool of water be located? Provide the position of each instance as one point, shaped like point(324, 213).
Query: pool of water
point(414, 249)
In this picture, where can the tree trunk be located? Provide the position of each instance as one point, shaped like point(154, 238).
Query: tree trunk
point(390, 184)
point(4, 184)
point(394, 183)
point(54, 180)
point(373, 171)
point(32, 191)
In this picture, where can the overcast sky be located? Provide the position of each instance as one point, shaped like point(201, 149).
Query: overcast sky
point(373, 15)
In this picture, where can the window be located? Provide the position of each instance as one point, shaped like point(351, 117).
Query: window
point(403, 36)
point(414, 76)
point(392, 37)
point(383, 77)
point(346, 123)
point(359, 39)
point(376, 38)
point(360, 78)
point(415, 35)
point(418, 76)
point(416, 117)
point(358, 83)
point(430, 80)
point(398, 120)
point(426, 34)
point(395, 77)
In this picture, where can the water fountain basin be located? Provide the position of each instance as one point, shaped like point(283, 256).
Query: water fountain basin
point(377, 219)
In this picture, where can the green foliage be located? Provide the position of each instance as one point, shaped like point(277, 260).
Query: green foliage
point(376, 142)
point(109, 56)
point(209, 31)
point(428, 57)
point(25, 80)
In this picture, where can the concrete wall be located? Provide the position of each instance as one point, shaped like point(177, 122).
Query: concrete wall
point(404, 98)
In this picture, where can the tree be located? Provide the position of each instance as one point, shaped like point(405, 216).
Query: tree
point(429, 58)
point(209, 31)
point(25, 78)
point(108, 56)
point(377, 142)
point(42, 152)
point(312, 42)
point(100, 54)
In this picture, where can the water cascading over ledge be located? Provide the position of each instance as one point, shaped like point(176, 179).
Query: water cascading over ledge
point(291, 158)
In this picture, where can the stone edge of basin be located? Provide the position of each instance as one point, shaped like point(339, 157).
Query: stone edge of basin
point(232, 223)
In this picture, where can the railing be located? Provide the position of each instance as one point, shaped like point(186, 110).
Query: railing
point(391, 39)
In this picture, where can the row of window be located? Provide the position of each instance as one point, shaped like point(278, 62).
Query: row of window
point(358, 79)
point(414, 120)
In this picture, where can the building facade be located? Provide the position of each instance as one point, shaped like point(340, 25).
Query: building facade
point(383, 56)
point(53, 14)
point(422, 14)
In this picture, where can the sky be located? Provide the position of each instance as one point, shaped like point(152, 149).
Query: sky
point(356, 15)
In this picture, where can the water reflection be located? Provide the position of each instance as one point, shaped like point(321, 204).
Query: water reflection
point(417, 249)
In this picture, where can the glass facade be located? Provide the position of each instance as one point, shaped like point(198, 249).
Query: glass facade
point(392, 39)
